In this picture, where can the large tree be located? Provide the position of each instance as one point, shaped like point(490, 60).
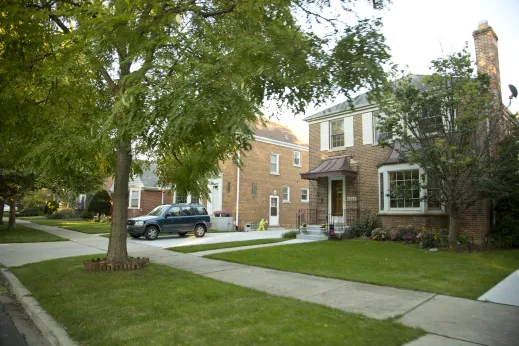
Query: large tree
point(185, 80)
point(447, 123)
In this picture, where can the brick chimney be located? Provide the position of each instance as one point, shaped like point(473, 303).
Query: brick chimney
point(487, 58)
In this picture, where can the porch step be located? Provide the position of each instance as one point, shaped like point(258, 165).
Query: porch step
point(312, 236)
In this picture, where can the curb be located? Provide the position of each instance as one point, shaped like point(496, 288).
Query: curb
point(51, 330)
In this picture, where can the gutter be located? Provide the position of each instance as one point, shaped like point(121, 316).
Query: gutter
point(238, 194)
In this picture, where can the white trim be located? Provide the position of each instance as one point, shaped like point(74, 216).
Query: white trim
point(138, 200)
point(288, 193)
point(278, 210)
point(294, 158)
point(237, 194)
point(307, 200)
point(280, 143)
point(342, 114)
point(276, 172)
point(422, 210)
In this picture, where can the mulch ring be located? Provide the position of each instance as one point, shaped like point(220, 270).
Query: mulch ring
point(102, 265)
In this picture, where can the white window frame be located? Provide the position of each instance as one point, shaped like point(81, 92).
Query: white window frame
point(297, 155)
point(138, 199)
point(307, 200)
point(276, 172)
point(402, 211)
point(188, 198)
point(283, 200)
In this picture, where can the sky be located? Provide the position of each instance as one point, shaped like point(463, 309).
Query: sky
point(418, 31)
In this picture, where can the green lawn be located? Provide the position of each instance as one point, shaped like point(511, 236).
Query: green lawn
point(160, 305)
point(388, 264)
point(25, 234)
point(79, 226)
point(227, 245)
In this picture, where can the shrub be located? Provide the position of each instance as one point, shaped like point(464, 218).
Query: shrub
point(87, 215)
point(433, 238)
point(348, 233)
point(505, 234)
point(65, 213)
point(380, 234)
point(395, 235)
point(290, 235)
point(365, 225)
point(107, 219)
point(28, 212)
point(100, 203)
point(51, 207)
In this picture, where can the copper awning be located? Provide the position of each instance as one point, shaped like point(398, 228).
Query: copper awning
point(331, 167)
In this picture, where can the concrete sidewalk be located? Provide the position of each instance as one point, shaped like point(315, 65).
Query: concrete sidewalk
point(505, 292)
point(450, 320)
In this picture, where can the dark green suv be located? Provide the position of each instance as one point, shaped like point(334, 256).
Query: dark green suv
point(170, 218)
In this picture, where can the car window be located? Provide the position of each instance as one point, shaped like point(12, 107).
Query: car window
point(201, 211)
point(157, 211)
point(186, 211)
point(175, 211)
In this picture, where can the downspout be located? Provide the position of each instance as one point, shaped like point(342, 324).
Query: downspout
point(238, 194)
point(162, 196)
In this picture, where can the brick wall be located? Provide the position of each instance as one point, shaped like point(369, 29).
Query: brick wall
point(475, 222)
point(149, 200)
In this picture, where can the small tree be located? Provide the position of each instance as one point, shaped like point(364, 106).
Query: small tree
point(100, 203)
point(447, 124)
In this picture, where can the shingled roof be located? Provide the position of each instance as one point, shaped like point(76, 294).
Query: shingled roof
point(279, 132)
point(358, 102)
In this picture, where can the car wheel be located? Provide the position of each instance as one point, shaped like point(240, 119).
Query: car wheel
point(135, 236)
point(151, 233)
point(182, 234)
point(199, 231)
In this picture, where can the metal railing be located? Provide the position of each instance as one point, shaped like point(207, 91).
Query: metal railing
point(317, 217)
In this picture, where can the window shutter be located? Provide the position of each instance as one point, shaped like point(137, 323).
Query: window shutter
point(348, 132)
point(325, 136)
point(367, 128)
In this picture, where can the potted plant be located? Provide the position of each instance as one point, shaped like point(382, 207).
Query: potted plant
point(303, 227)
point(222, 213)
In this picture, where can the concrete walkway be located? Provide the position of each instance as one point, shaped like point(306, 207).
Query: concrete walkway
point(449, 320)
point(248, 247)
point(505, 292)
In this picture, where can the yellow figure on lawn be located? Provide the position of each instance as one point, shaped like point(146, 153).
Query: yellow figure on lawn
point(261, 225)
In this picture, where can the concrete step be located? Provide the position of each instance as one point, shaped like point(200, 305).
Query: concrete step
point(312, 236)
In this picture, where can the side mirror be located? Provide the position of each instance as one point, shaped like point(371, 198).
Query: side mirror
point(167, 215)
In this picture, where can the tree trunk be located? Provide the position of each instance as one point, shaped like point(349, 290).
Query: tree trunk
point(11, 226)
point(2, 205)
point(453, 230)
point(117, 252)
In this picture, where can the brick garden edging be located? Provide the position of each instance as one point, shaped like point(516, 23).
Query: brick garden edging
point(101, 264)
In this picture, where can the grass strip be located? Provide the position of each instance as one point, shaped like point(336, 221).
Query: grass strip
point(467, 275)
point(226, 245)
point(160, 305)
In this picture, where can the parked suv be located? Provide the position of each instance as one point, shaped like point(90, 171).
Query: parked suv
point(170, 218)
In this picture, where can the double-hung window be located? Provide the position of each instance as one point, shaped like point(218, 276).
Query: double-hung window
point(304, 196)
point(180, 197)
point(337, 133)
point(297, 159)
point(274, 163)
point(378, 133)
point(286, 193)
point(134, 199)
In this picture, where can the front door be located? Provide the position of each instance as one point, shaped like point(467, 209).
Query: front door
point(337, 203)
point(274, 211)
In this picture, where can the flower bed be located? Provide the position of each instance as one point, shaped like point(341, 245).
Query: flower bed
point(426, 238)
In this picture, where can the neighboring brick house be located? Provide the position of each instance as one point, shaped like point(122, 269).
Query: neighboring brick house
point(350, 173)
point(267, 186)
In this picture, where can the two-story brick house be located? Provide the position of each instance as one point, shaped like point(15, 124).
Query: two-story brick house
point(267, 186)
point(350, 174)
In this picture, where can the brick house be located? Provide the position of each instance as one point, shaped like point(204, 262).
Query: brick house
point(350, 173)
point(267, 186)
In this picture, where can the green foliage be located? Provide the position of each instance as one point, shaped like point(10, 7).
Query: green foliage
point(505, 234)
point(290, 235)
point(364, 225)
point(28, 212)
point(87, 215)
point(100, 203)
point(51, 207)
